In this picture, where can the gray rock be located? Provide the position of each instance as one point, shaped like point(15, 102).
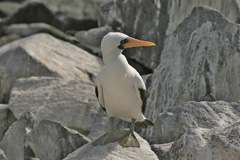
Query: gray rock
point(39, 13)
point(27, 137)
point(92, 38)
point(6, 119)
point(84, 9)
point(13, 141)
point(177, 120)
point(8, 8)
point(72, 103)
point(154, 19)
point(200, 59)
point(2, 155)
point(162, 150)
point(27, 57)
point(113, 151)
point(52, 141)
point(25, 30)
point(198, 144)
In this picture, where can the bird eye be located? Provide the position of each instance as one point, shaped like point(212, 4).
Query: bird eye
point(122, 42)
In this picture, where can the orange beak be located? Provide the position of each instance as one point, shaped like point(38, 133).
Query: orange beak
point(132, 42)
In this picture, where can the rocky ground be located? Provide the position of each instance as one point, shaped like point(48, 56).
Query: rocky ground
point(50, 52)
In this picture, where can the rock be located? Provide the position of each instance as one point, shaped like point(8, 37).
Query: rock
point(162, 150)
point(52, 141)
point(39, 13)
point(226, 143)
point(8, 8)
point(25, 30)
point(2, 155)
point(113, 151)
point(29, 58)
point(73, 101)
point(173, 123)
point(197, 145)
point(84, 9)
point(13, 141)
point(199, 59)
point(6, 119)
point(27, 137)
point(74, 24)
point(156, 21)
point(92, 38)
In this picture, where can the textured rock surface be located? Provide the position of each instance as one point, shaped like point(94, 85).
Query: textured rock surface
point(73, 101)
point(27, 138)
point(173, 123)
point(38, 11)
point(2, 155)
point(159, 18)
point(200, 61)
point(51, 141)
point(198, 145)
point(113, 151)
point(6, 119)
point(44, 55)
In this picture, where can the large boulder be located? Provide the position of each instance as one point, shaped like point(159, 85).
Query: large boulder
point(44, 55)
point(158, 19)
point(6, 119)
point(71, 103)
point(29, 138)
point(173, 123)
point(39, 13)
point(197, 145)
point(52, 141)
point(113, 151)
point(200, 61)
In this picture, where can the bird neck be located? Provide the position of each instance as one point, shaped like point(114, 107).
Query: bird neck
point(109, 57)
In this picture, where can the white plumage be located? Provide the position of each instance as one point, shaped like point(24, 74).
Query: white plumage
point(118, 83)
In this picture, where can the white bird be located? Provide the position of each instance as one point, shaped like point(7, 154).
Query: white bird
point(119, 87)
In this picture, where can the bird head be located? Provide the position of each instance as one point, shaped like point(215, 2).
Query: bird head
point(114, 41)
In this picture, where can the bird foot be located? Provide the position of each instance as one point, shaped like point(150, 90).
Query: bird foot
point(129, 140)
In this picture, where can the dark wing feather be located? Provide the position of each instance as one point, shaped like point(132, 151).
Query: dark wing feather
point(96, 92)
point(142, 93)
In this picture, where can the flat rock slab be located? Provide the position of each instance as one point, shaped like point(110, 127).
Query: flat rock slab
point(44, 55)
point(113, 151)
point(72, 103)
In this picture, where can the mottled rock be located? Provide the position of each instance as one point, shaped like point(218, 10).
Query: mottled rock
point(63, 59)
point(162, 150)
point(17, 31)
point(13, 141)
point(39, 13)
point(72, 103)
point(173, 123)
point(52, 141)
point(200, 59)
point(198, 144)
point(92, 38)
point(44, 55)
point(154, 19)
point(2, 155)
point(6, 119)
point(27, 137)
point(8, 8)
point(84, 9)
point(113, 151)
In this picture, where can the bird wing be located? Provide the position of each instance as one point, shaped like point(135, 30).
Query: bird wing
point(99, 94)
point(141, 89)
